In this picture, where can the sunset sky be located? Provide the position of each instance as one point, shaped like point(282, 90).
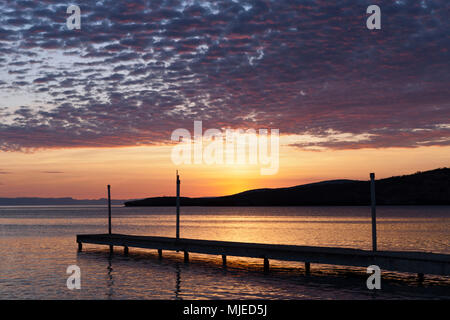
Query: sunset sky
point(80, 109)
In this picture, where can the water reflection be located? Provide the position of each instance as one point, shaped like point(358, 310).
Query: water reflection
point(178, 282)
point(110, 279)
point(39, 243)
point(144, 276)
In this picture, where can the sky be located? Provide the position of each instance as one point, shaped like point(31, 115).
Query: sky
point(80, 109)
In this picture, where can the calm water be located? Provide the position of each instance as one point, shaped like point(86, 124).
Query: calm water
point(37, 244)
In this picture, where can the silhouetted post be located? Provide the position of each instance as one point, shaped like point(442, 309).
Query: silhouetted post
point(178, 206)
point(224, 260)
point(186, 257)
point(109, 209)
point(420, 277)
point(266, 265)
point(160, 253)
point(374, 212)
point(307, 268)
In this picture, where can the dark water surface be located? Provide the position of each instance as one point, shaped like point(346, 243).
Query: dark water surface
point(37, 244)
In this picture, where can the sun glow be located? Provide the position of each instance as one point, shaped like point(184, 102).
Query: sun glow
point(137, 172)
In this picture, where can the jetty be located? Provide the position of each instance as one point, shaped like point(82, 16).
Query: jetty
point(414, 262)
point(420, 263)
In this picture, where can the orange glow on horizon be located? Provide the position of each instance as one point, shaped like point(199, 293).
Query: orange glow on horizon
point(138, 172)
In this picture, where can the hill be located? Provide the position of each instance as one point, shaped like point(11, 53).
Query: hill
point(422, 188)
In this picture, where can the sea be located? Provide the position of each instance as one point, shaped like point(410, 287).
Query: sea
point(38, 244)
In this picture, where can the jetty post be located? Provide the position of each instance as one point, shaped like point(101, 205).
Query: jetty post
point(111, 247)
point(109, 209)
point(374, 212)
point(178, 206)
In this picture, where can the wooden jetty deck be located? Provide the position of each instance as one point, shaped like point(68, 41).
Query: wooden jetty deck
point(413, 262)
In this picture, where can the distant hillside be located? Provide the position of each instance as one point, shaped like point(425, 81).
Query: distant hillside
point(422, 188)
point(54, 202)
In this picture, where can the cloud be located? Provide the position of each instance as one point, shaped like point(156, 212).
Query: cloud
point(137, 70)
